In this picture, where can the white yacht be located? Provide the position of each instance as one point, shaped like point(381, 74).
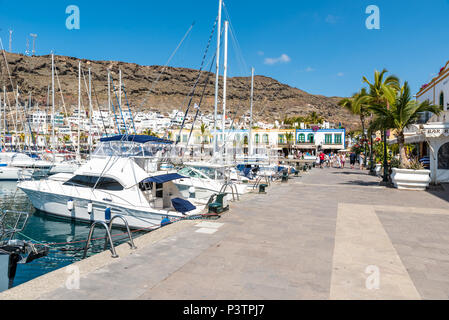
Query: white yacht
point(105, 187)
point(209, 178)
point(19, 166)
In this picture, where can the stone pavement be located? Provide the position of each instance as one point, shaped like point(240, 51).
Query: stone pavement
point(331, 234)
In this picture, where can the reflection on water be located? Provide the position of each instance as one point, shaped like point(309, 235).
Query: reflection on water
point(43, 228)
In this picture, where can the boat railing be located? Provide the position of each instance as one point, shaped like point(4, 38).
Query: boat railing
point(12, 222)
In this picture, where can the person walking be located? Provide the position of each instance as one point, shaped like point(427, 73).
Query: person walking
point(352, 159)
point(343, 160)
point(362, 160)
point(322, 158)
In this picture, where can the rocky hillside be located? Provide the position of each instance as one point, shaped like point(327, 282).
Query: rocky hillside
point(273, 100)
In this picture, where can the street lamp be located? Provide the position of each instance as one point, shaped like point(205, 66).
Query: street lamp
point(365, 142)
point(385, 177)
point(372, 137)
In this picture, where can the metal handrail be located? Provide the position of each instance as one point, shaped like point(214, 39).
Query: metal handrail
point(233, 188)
point(259, 179)
point(91, 232)
point(12, 232)
point(131, 242)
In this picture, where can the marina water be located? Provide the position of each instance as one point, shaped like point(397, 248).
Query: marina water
point(66, 238)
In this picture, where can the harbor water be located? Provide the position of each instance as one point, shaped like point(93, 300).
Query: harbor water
point(66, 239)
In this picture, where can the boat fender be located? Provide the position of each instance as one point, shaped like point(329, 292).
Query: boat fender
point(166, 221)
point(70, 205)
point(107, 214)
point(192, 192)
point(90, 207)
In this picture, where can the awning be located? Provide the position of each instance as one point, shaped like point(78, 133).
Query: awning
point(411, 139)
point(137, 139)
point(164, 178)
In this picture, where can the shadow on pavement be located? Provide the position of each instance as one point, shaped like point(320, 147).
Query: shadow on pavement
point(362, 183)
point(440, 191)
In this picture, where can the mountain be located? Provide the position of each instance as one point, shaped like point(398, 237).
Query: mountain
point(273, 100)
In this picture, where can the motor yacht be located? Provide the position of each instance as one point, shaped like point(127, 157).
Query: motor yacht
point(105, 187)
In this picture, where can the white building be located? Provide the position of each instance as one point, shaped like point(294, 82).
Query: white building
point(433, 136)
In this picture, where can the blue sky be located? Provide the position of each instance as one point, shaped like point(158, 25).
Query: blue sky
point(322, 47)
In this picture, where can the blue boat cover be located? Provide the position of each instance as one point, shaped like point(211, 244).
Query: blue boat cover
point(137, 139)
point(164, 178)
point(182, 205)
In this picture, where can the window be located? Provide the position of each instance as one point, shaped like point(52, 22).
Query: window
point(311, 138)
point(302, 138)
point(90, 182)
point(281, 139)
point(443, 157)
point(338, 139)
point(257, 139)
point(237, 137)
point(265, 139)
point(442, 99)
point(328, 139)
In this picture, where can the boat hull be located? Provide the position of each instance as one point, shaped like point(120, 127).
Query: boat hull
point(57, 205)
point(15, 174)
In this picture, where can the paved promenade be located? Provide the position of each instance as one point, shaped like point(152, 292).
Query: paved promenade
point(331, 234)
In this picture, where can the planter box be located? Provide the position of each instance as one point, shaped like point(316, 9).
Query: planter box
point(378, 170)
point(405, 179)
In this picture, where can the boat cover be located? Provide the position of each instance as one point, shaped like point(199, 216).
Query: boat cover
point(137, 139)
point(164, 178)
point(182, 205)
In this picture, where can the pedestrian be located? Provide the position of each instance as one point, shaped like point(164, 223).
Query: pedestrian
point(343, 160)
point(338, 160)
point(362, 160)
point(352, 159)
point(322, 159)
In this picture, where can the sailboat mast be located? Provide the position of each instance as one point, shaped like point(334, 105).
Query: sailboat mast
point(225, 75)
point(109, 98)
point(90, 111)
point(217, 74)
point(4, 109)
point(250, 139)
point(53, 100)
point(120, 89)
point(79, 105)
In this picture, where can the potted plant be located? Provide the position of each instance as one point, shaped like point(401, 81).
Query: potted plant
point(412, 177)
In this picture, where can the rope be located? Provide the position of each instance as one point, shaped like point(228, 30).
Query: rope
point(200, 71)
point(52, 244)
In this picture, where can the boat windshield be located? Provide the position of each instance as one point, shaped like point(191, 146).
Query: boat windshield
point(128, 149)
point(211, 173)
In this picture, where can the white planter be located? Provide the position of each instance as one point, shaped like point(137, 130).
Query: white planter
point(405, 179)
point(378, 170)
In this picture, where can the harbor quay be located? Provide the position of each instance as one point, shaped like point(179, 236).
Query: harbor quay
point(326, 234)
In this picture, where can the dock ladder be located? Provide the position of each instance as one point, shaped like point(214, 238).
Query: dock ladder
point(108, 228)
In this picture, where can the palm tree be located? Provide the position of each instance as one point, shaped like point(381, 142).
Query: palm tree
point(402, 113)
point(290, 140)
point(314, 118)
point(358, 104)
point(203, 134)
point(382, 92)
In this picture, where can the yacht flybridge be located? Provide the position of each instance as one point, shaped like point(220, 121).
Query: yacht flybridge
point(105, 187)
